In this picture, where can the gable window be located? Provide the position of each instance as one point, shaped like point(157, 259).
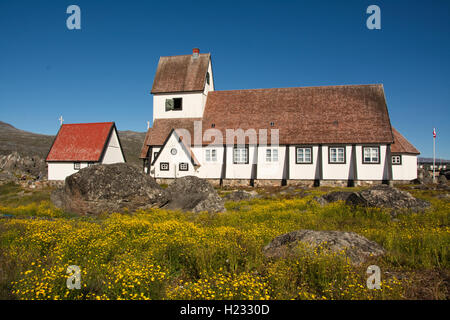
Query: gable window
point(304, 155)
point(76, 165)
point(397, 160)
point(240, 155)
point(271, 155)
point(336, 154)
point(371, 154)
point(155, 154)
point(211, 155)
point(164, 166)
point(183, 166)
point(207, 78)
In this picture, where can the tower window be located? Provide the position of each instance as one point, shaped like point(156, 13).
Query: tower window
point(177, 103)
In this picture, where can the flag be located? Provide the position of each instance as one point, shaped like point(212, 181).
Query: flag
point(434, 132)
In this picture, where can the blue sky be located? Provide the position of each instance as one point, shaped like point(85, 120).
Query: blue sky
point(104, 72)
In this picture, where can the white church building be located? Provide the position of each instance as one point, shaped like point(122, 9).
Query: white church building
point(79, 145)
point(329, 135)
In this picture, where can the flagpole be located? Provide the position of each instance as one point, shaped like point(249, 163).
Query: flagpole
point(434, 154)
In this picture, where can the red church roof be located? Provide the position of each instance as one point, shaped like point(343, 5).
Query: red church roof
point(80, 142)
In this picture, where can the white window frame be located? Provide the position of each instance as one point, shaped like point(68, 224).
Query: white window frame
point(334, 155)
point(371, 154)
point(301, 155)
point(211, 155)
point(163, 164)
point(240, 155)
point(76, 165)
point(272, 155)
point(394, 162)
point(183, 166)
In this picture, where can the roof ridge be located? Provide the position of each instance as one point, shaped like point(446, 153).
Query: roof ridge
point(87, 123)
point(308, 87)
point(185, 55)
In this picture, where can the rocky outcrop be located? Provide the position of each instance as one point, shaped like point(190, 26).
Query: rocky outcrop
point(333, 197)
point(7, 177)
point(383, 196)
point(24, 165)
point(380, 196)
point(111, 188)
point(120, 187)
point(240, 195)
point(193, 194)
point(356, 247)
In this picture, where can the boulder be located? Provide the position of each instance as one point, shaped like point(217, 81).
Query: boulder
point(423, 176)
point(333, 197)
point(111, 188)
point(193, 194)
point(356, 247)
point(442, 179)
point(240, 195)
point(383, 196)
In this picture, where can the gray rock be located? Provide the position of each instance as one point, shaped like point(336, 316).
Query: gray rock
point(240, 195)
point(442, 179)
point(423, 176)
point(383, 196)
point(333, 197)
point(193, 194)
point(24, 165)
point(108, 188)
point(357, 248)
point(7, 177)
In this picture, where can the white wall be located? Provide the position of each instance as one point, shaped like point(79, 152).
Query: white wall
point(336, 171)
point(240, 171)
point(60, 170)
point(303, 171)
point(407, 170)
point(209, 170)
point(271, 170)
point(276, 171)
point(113, 153)
point(371, 171)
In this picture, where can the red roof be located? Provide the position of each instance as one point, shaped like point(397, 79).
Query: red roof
point(80, 142)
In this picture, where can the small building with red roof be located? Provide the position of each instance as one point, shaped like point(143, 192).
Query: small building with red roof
point(79, 145)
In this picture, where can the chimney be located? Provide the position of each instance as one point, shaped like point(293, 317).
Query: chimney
point(195, 53)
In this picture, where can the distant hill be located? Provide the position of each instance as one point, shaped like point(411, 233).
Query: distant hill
point(34, 144)
point(430, 160)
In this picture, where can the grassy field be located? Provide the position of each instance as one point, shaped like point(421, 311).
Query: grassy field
point(161, 254)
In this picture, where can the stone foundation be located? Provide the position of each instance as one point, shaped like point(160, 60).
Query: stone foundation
point(234, 183)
